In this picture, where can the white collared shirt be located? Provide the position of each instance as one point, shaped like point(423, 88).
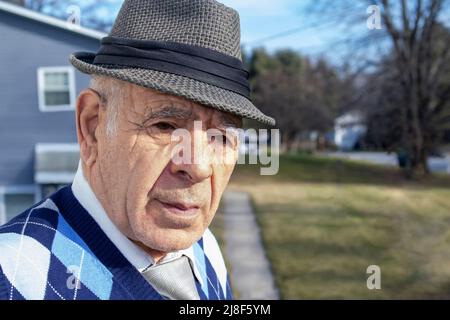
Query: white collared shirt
point(140, 259)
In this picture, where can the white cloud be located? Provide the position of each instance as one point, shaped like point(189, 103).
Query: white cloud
point(260, 7)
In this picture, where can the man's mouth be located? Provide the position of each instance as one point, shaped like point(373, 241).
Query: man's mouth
point(180, 208)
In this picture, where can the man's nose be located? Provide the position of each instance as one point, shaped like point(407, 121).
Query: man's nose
point(196, 165)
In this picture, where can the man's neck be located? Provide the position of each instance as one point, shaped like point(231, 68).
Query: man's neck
point(155, 254)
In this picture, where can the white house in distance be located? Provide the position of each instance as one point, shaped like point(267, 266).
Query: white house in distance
point(348, 130)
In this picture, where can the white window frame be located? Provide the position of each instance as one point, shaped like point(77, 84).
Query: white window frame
point(16, 189)
point(41, 89)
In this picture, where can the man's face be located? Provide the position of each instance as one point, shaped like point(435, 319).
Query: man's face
point(162, 204)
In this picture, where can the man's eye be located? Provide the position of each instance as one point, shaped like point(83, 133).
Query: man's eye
point(221, 139)
point(164, 126)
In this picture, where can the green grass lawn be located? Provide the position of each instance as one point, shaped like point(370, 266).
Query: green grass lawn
point(324, 221)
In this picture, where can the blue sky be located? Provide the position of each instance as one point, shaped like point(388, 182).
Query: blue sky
point(302, 31)
point(261, 19)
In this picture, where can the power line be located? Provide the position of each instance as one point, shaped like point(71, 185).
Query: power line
point(289, 32)
point(276, 36)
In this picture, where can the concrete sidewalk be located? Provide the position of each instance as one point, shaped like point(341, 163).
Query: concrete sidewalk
point(250, 270)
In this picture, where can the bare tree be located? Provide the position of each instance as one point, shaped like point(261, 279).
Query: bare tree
point(419, 66)
point(419, 56)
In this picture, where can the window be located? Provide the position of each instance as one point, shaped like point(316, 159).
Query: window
point(56, 88)
point(15, 200)
point(55, 163)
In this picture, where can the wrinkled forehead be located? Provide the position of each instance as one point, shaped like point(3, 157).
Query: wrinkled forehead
point(154, 104)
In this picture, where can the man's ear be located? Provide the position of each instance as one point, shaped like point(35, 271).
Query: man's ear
point(87, 119)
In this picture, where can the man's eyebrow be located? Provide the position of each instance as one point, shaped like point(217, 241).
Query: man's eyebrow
point(228, 121)
point(170, 111)
point(182, 113)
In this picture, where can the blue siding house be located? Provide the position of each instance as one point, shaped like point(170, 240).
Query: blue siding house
point(38, 88)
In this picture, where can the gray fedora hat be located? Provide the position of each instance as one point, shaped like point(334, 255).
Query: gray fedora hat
point(188, 48)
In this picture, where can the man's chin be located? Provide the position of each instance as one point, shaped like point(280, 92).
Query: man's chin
point(170, 240)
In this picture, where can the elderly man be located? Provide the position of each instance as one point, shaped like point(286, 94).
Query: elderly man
point(134, 223)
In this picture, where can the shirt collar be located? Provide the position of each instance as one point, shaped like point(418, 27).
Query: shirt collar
point(133, 253)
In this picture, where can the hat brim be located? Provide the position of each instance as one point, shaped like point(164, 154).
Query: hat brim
point(194, 90)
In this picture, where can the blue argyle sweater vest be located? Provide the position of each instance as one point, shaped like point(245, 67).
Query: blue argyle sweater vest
point(55, 250)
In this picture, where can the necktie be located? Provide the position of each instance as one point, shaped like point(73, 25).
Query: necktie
point(173, 279)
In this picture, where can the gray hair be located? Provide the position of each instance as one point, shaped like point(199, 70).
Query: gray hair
point(112, 94)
